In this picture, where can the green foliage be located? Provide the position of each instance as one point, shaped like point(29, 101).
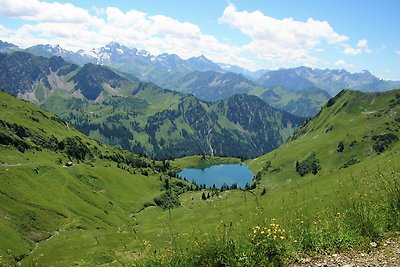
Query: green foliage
point(383, 141)
point(349, 163)
point(340, 147)
point(309, 165)
point(75, 148)
point(168, 200)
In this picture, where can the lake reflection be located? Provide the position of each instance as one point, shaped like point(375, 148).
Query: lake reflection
point(219, 174)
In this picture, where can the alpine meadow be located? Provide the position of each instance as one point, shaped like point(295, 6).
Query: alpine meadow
point(153, 133)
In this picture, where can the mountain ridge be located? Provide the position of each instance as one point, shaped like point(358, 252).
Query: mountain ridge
point(145, 118)
point(315, 76)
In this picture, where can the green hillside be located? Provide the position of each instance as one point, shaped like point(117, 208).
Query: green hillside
point(304, 103)
point(51, 212)
point(353, 128)
point(165, 124)
point(333, 186)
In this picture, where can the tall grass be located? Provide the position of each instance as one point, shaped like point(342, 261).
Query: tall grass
point(368, 214)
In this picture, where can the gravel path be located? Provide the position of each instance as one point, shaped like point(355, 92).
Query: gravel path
point(384, 253)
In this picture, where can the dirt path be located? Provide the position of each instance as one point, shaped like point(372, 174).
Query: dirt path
point(384, 253)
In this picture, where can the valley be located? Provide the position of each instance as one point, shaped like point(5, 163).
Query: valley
point(100, 198)
point(199, 134)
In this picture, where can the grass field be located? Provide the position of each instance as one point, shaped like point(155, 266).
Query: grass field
point(94, 213)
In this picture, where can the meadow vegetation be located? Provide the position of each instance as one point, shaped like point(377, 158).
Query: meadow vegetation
point(116, 208)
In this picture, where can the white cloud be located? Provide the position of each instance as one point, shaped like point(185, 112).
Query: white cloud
point(342, 63)
point(133, 28)
point(44, 11)
point(281, 40)
point(361, 47)
point(397, 52)
point(275, 42)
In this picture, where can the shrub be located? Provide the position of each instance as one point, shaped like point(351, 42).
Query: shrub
point(167, 200)
point(383, 141)
point(340, 147)
point(75, 148)
point(310, 164)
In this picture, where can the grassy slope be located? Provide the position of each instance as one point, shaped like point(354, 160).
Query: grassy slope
point(290, 197)
point(58, 215)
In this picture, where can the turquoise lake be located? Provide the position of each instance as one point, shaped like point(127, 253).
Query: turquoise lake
point(219, 174)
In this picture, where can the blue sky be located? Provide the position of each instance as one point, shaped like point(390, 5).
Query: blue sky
point(354, 35)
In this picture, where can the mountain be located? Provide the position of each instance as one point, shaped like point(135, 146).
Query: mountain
point(165, 124)
point(331, 81)
point(57, 185)
point(159, 68)
point(143, 117)
point(252, 75)
point(36, 78)
point(28, 76)
point(6, 47)
point(304, 103)
point(183, 75)
point(56, 50)
point(286, 78)
point(201, 63)
point(137, 62)
point(94, 80)
point(210, 85)
point(352, 129)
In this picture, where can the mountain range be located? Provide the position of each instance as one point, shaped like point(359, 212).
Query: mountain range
point(211, 81)
point(331, 81)
point(144, 117)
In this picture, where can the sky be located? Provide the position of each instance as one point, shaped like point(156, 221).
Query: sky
point(354, 35)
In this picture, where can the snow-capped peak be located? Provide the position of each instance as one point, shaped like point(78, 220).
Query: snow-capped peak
point(142, 53)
